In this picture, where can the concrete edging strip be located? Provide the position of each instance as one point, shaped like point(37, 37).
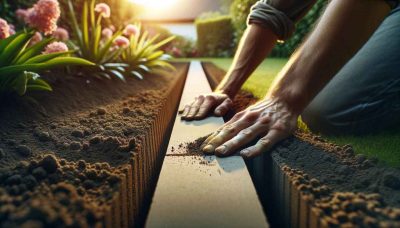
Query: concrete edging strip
point(202, 191)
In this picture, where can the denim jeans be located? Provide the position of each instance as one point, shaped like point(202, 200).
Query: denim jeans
point(364, 96)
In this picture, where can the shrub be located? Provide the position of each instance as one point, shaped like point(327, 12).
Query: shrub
point(215, 36)
point(303, 27)
point(179, 47)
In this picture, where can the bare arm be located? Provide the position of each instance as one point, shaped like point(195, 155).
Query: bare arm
point(342, 31)
point(344, 28)
point(255, 45)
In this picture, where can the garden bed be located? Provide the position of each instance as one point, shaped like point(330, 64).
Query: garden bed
point(86, 154)
point(308, 182)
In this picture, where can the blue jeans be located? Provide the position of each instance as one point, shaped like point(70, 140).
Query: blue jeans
point(364, 96)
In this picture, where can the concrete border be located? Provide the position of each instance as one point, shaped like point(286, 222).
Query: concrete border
point(202, 191)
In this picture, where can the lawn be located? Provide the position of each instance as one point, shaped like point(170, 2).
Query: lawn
point(384, 146)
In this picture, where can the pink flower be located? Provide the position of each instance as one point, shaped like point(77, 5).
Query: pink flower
point(55, 47)
point(61, 34)
point(4, 29)
point(23, 14)
point(121, 42)
point(131, 30)
point(12, 29)
point(176, 52)
point(107, 33)
point(36, 38)
point(103, 9)
point(44, 16)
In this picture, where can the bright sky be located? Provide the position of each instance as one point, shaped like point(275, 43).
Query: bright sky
point(175, 9)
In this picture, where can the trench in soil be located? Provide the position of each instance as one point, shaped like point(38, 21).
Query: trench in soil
point(306, 181)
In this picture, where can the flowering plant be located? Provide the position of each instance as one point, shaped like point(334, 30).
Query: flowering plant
point(25, 53)
point(143, 54)
point(101, 46)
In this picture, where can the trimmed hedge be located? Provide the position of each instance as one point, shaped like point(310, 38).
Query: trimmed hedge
point(215, 36)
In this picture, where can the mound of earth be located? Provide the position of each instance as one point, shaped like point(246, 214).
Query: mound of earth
point(63, 154)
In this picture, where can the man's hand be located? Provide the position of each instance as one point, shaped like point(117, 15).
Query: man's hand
point(269, 119)
point(217, 103)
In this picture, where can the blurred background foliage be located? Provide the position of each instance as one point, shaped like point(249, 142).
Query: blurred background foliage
point(123, 12)
point(239, 11)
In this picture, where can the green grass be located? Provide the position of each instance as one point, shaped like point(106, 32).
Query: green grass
point(385, 146)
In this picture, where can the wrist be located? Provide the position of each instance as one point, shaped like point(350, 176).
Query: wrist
point(230, 93)
point(294, 100)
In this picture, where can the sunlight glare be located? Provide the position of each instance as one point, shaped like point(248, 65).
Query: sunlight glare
point(155, 3)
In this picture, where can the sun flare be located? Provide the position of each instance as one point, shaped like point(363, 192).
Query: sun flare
point(155, 3)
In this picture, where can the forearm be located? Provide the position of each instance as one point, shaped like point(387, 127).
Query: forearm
point(343, 29)
point(255, 45)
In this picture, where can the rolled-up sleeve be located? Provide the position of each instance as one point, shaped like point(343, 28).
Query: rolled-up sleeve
point(279, 15)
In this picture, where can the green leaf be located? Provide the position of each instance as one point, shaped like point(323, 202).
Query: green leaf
point(106, 48)
point(137, 74)
point(13, 48)
point(45, 57)
point(20, 83)
point(75, 25)
point(5, 42)
point(59, 61)
point(117, 74)
point(32, 51)
point(85, 27)
point(38, 84)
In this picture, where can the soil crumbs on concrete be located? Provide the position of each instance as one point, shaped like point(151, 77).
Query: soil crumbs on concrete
point(62, 154)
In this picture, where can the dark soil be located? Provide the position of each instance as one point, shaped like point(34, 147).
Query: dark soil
point(367, 190)
point(242, 100)
point(62, 153)
point(343, 187)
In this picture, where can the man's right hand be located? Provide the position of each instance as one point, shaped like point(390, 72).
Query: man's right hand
point(203, 105)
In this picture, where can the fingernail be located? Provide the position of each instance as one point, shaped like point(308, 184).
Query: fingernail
point(221, 149)
point(208, 149)
point(244, 153)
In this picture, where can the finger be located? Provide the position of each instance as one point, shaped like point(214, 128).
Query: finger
point(244, 137)
point(205, 108)
point(195, 108)
point(264, 144)
point(223, 108)
point(185, 111)
point(235, 118)
point(205, 143)
point(229, 131)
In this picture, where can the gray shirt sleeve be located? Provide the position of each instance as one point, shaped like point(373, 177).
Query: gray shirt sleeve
point(281, 15)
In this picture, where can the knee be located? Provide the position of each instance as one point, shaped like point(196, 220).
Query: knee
point(318, 118)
